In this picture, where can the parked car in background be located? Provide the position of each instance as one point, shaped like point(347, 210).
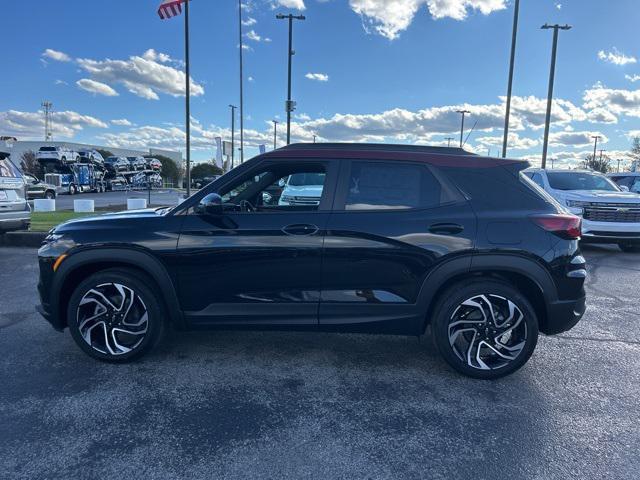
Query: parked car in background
point(117, 183)
point(117, 164)
point(154, 164)
point(302, 189)
point(401, 239)
point(93, 156)
point(627, 180)
point(58, 154)
point(15, 212)
point(137, 163)
point(37, 188)
point(610, 215)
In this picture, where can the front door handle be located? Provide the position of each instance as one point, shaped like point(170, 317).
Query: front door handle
point(446, 228)
point(301, 229)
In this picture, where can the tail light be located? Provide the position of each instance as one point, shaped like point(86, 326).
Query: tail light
point(565, 226)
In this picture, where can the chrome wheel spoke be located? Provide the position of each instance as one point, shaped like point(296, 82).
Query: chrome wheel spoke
point(112, 319)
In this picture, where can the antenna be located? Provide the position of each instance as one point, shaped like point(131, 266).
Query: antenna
point(47, 107)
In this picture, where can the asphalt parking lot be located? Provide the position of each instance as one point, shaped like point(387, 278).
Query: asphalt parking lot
point(118, 199)
point(291, 405)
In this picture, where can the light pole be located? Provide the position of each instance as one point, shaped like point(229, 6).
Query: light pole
point(233, 132)
point(275, 134)
point(596, 138)
point(290, 106)
point(314, 138)
point(601, 152)
point(241, 83)
point(448, 139)
point(552, 74)
point(514, 35)
point(463, 113)
point(618, 165)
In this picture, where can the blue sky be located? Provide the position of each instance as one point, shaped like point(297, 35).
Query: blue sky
point(365, 70)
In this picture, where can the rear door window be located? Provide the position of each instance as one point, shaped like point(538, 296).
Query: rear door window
point(393, 186)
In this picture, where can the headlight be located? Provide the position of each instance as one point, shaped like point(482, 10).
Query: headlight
point(576, 206)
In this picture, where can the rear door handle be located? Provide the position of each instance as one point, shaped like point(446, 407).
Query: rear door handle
point(446, 228)
point(300, 229)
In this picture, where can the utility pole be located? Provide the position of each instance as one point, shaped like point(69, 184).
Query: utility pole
point(314, 138)
point(188, 95)
point(233, 133)
point(552, 74)
point(47, 107)
point(275, 134)
point(514, 36)
point(596, 138)
point(618, 165)
point(241, 83)
point(463, 113)
point(601, 151)
point(290, 106)
point(448, 139)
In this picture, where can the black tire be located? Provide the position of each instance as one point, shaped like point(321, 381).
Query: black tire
point(629, 247)
point(49, 195)
point(143, 299)
point(72, 189)
point(521, 335)
point(63, 159)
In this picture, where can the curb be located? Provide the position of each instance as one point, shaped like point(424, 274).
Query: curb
point(22, 239)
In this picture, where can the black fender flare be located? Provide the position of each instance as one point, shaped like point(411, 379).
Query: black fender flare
point(125, 256)
point(479, 262)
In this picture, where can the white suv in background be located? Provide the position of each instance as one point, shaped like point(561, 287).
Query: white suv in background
point(609, 214)
point(302, 189)
point(60, 154)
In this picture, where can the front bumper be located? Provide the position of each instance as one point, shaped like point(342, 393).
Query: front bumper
point(610, 232)
point(563, 315)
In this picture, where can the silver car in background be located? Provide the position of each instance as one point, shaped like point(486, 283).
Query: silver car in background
point(15, 212)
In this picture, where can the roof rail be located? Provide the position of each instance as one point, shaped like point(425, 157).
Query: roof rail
point(379, 147)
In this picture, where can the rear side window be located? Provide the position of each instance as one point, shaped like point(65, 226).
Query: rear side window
point(391, 186)
point(7, 169)
point(48, 149)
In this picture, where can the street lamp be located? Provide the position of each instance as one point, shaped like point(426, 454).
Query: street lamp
point(233, 132)
point(463, 113)
point(241, 82)
point(596, 138)
point(448, 139)
point(552, 75)
point(290, 106)
point(275, 133)
point(510, 85)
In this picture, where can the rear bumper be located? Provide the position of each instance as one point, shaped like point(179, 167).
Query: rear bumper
point(10, 221)
point(563, 315)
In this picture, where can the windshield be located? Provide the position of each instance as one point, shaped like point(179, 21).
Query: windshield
point(7, 169)
point(580, 181)
point(306, 179)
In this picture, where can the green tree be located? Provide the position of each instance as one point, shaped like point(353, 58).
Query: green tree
point(104, 153)
point(634, 153)
point(29, 164)
point(203, 170)
point(601, 163)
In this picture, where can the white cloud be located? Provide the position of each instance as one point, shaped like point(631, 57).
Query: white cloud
point(575, 139)
point(632, 78)
point(60, 82)
point(251, 79)
point(296, 4)
point(615, 57)
point(614, 101)
point(122, 122)
point(97, 88)
point(56, 55)
point(390, 17)
point(144, 76)
point(249, 21)
point(30, 125)
point(252, 35)
point(516, 142)
point(319, 77)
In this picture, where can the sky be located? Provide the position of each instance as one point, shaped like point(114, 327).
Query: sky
point(364, 70)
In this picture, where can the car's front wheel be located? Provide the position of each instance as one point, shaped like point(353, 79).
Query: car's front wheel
point(485, 328)
point(49, 195)
point(115, 316)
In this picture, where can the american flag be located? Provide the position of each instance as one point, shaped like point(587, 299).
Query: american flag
point(170, 8)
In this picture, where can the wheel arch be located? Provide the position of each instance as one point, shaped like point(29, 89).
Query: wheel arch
point(525, 274)
point(82, 264)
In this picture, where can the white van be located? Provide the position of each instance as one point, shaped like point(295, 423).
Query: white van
point(15, 212)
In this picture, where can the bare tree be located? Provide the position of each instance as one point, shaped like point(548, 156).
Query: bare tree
point(601, 163)
point(30, 165)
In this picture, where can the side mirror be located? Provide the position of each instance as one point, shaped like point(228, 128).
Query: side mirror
point(210, 205)
point(624, 188)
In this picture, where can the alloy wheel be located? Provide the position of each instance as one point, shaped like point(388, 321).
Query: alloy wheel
point(112, 319)
point(487, 332)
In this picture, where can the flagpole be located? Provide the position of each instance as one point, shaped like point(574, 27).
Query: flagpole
point(188, 96)
point(241, 87)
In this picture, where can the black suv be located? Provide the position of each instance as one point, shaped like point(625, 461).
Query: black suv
point(399, 240)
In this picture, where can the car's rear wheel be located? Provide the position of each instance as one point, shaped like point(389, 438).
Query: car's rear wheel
point(485, 329)
point(629, 247)
point(49, 195)
point(115, 315)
